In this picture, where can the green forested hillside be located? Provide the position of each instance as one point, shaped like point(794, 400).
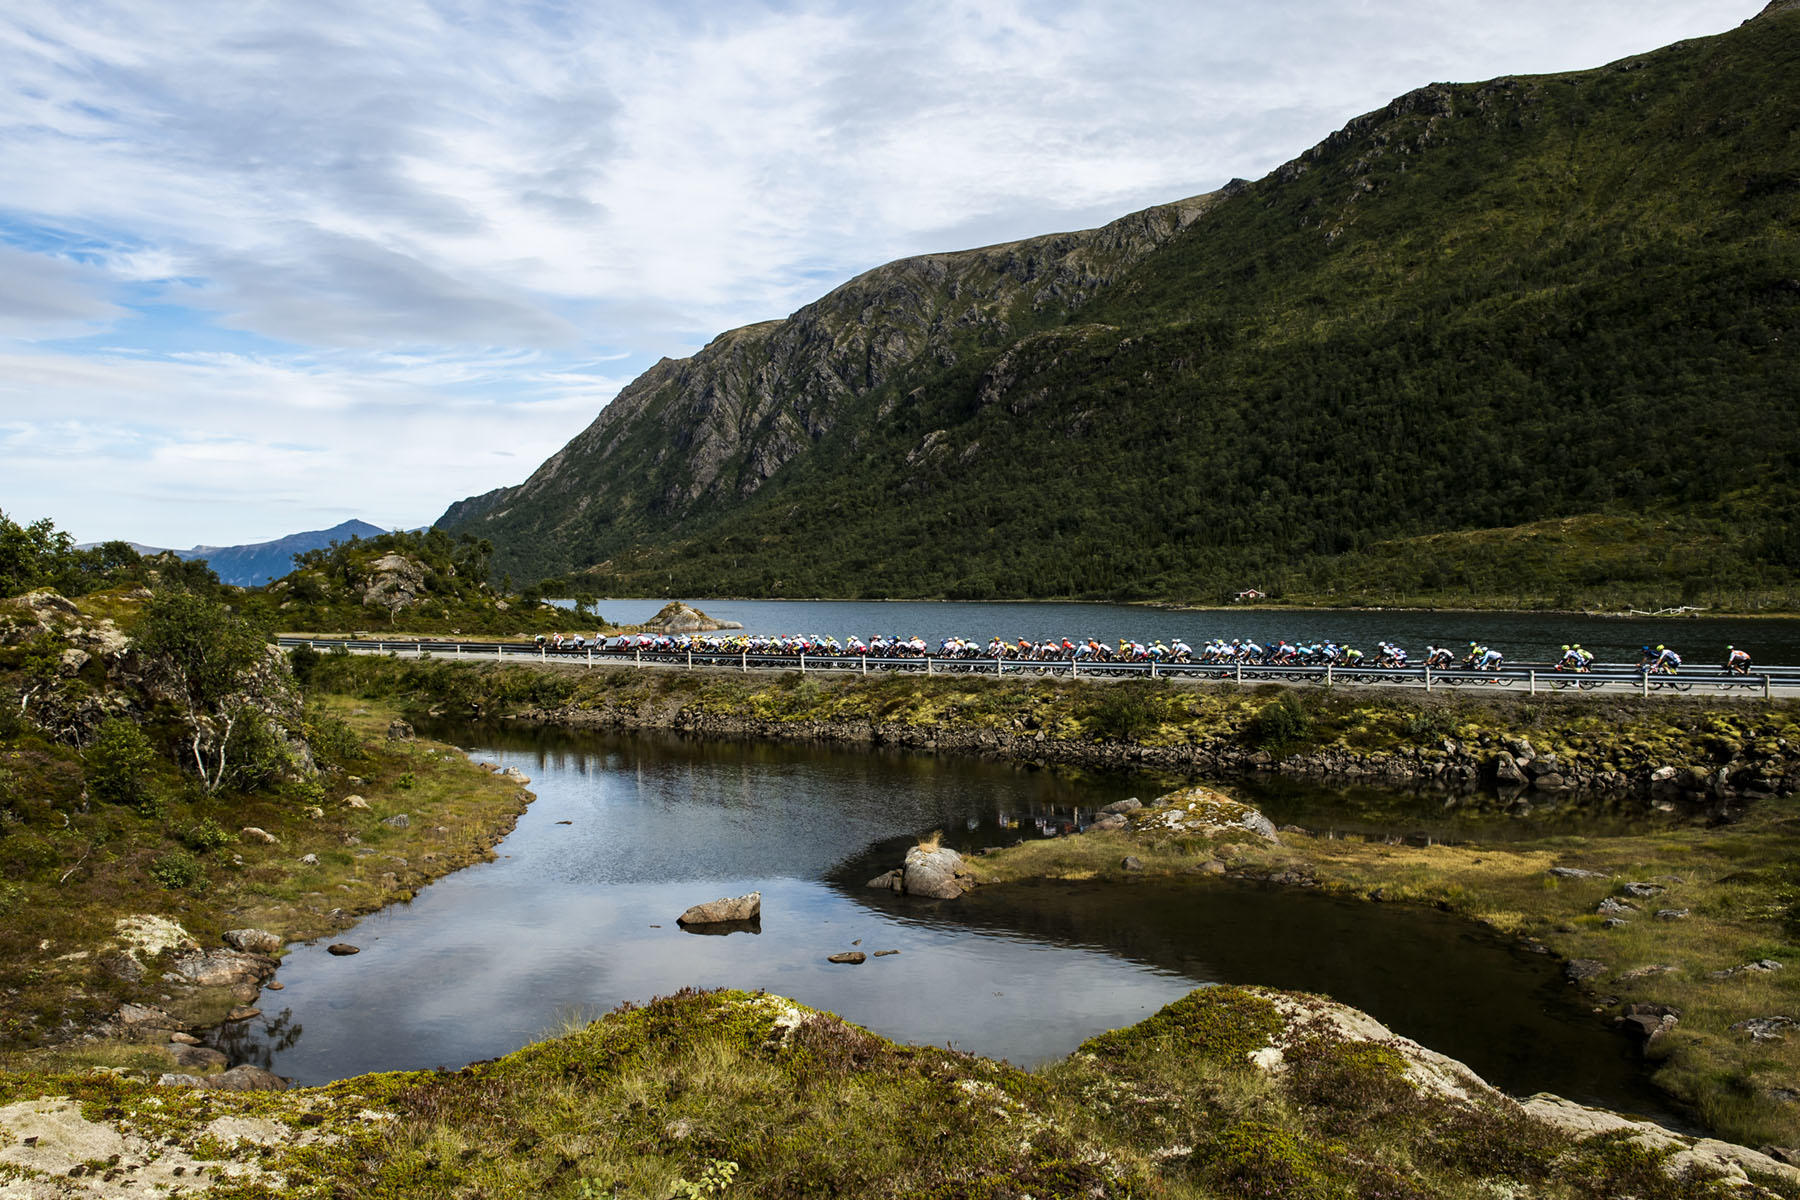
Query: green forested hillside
point(1482, 307)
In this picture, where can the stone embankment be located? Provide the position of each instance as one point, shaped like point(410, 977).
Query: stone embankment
point(1520, 774)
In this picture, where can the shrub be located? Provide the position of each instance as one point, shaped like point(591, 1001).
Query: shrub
point(206, 834)
point(303, 660)
point(178, 869)
point(117, 763)
point(1281, 722)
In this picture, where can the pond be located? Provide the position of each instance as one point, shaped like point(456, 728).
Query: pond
point(577, 915)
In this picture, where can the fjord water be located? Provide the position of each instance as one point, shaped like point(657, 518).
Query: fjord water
point(1522, 637)
point(578, 915)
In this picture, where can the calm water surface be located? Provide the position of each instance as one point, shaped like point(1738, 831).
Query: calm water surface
point(1522, 637)
point(578, 915)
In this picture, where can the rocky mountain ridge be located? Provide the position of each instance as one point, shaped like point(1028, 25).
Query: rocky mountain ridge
point(1481, 306)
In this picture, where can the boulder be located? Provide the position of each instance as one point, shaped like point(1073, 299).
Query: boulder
point(1578, 969)
point(247, 1078)
point(398, 821)
point(1611, 907)
point(936, 873)
point(399, 731)
point(1648, 1022)
point(200, 1058)
point(1577, 873)
point(1672, 914)
point(1108, 822)
point(1121, 807)
point(254, 834)
point(1506, 771)
point(888, 881)
point(255, 941)
point(850, 956)
point(1643, 891)
point(1203, 810)
point(343, 949)
point(1131, 863)
point(222, 968)
point(722, 910)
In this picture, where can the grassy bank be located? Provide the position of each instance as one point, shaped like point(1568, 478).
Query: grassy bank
point(1736, 888)
point(322, 855)
point(723, 1093)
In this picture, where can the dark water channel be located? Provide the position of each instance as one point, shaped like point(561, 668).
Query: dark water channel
point(578, 915)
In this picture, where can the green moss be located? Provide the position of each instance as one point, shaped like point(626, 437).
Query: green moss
point(1221, 1026)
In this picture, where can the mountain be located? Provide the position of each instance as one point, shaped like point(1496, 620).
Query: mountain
point(255, 564)
point(1427, 358)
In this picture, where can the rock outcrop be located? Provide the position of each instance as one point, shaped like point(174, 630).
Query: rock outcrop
point(677, 617)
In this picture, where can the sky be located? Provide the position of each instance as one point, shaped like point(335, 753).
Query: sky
point(266, 266)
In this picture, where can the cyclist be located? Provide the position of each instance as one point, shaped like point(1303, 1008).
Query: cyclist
point(1736, 661)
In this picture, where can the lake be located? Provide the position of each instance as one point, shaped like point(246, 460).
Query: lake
point(578, 912)
point(1522, 637)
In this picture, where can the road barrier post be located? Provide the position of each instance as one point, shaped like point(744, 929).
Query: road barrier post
point(1427, 677)
point(928, 663)
point(1153, 668)
point(1644, 684)
point(1075, 668)
point(459, 650)
point(690, 655)
point(590, 656)
point(543, 654)
point(803, 662)
point(865, 664)
point(1327, 674)
point(744, 661)
point(1765, 687)
point(1534, 683)
point(1240, 672)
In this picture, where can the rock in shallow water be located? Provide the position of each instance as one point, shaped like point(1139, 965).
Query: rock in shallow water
point(724, 909)
point(852, 957)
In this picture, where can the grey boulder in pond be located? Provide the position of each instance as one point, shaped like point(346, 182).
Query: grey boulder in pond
point(936, 874)
point(744, 908)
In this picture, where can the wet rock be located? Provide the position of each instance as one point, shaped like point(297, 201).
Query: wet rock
point(1507, 772)
point(888, 881)
point(885, 953)
point(343, 949)
point(1578, 969)
point(1647, 1022)
point(935, 874)
point(1131, 862)
point(724, 909)
point(256, 941)
point(852, 957)
point(1766, 1029)
point(1577, 873)
point(1121, 807)
point(400, 731)
point(248, 1078)
point(1550, 782)
point(244, 1013)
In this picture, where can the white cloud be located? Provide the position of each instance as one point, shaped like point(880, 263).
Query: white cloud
point(330, 212)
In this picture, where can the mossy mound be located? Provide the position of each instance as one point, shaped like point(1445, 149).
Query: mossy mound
point(1226, 1092)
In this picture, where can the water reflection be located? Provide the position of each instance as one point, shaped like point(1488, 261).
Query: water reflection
point(578, 914)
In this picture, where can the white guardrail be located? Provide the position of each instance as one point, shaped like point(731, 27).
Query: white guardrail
point(1533, 679)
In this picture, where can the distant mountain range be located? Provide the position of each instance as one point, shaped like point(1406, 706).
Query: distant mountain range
point(1459, 347)
point(255, 564)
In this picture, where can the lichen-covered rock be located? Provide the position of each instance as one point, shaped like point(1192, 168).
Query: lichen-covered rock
point(222, 968)
point(1204, 811)
point(724, 910)
point(677, 617)
point(935, 873)
point(254, 941)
